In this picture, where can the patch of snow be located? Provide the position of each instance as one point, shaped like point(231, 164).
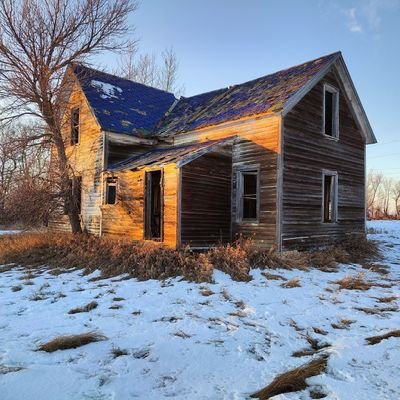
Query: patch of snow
point(109, 91)
point(181, 344)
point(9, 232)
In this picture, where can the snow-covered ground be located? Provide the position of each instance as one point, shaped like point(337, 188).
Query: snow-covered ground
point(199, 341)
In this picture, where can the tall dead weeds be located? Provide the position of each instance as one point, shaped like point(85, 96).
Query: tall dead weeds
point(145, 260)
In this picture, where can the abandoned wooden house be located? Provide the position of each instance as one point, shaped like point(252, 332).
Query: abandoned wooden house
point(280, 158)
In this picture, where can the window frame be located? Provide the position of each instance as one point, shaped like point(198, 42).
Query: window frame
point(108, 184)
point(75, 139)
point(335, 199)
point(251, 169)
point(335, 112)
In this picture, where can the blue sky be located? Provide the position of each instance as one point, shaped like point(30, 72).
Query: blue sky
point(224, 42)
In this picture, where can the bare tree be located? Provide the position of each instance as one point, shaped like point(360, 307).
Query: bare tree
point(38, 40)
point(144, 68)
point(8, 166)
point(169, 71)
point(396, 198)
point(374, 182)
point(386, 192)
point(25, 191)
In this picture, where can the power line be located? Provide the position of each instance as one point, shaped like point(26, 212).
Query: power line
point(385, 155)
point(390, 142)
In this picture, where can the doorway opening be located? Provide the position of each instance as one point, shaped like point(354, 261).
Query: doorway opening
point(153, 205)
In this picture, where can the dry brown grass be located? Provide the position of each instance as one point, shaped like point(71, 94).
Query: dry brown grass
point(377, 339)
point(71, 341)
point(117, 352)
point(232, 259)
point(141, 260)
point(377, 311)
point(206, 291)
point(360, 249)
point(273, 277)
point(344, 323)
point(182, 335)
point(88, 307)
point(6, 369)
point(315, 347)
point(293, 380)
point(287, 259)
point(144, 260)
point(319, 331)
point(225, 294)
point(356, 282)
point(388, 299)
point(292, 283)
point(376, 267)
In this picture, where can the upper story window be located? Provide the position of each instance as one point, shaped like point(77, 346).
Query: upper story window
point(74, 126)
point(111, 191)
point(331, 112)
point(248, 195)
point(330, 196)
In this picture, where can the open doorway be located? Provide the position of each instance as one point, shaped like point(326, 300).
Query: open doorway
point(153, 205)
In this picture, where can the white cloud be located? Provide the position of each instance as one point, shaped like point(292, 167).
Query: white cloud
point(366, 15)
point(353, 22)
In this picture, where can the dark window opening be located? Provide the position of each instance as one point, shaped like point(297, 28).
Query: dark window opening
point(249, 195)
point(74, 126)
point(153, 205)
point(329, 201)
point(111, 191)
point(329, 113)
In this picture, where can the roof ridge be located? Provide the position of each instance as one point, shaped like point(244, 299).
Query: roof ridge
point(265, 76)
point(81, 65)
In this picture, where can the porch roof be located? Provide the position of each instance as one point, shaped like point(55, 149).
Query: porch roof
point(179, 155)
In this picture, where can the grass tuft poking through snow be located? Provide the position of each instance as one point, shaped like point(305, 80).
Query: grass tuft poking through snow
point(356, 282)
point(293, 380)
point(377, 339)
point(71, 341)
point(88, 307)
point(292, 283)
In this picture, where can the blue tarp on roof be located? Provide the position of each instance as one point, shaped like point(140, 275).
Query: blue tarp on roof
point(121, 105)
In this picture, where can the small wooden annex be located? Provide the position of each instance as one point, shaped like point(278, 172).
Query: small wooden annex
point(280, 159)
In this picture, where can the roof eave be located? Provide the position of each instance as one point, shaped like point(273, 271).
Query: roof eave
point(294, 100)
point(359, 112)
point(125, 139)
point(351, 93)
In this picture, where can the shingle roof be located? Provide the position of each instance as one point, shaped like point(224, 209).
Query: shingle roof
point(172, 154)
point(121, 105)
point(267, 94)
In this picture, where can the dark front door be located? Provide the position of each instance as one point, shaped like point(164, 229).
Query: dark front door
point(153, 205)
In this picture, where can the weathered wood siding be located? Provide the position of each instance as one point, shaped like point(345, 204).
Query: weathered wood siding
point(86, 159)
point(126, 217)
point(170, 202)
point(206, 200)
point(257, 144)
point(306, 153)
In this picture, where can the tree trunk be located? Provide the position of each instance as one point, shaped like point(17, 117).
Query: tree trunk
point(70, 185)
